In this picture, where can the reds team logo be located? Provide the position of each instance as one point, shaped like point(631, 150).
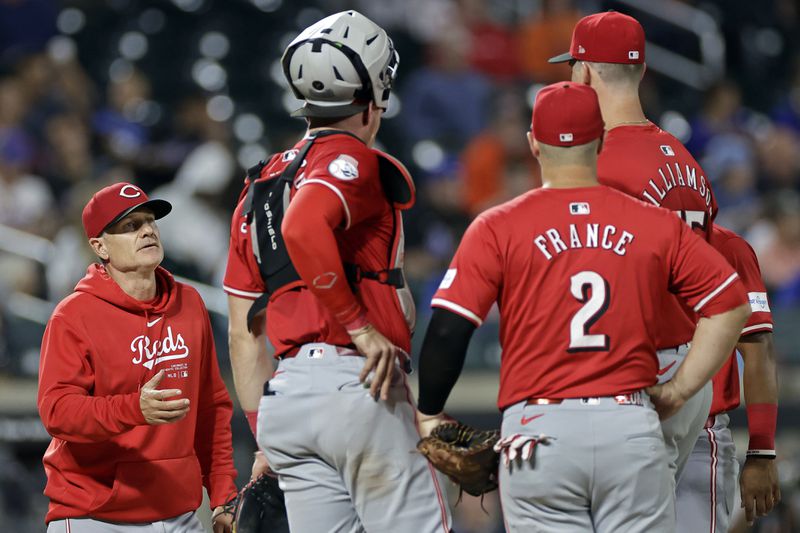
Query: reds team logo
point(130, 191)
point(151, 352)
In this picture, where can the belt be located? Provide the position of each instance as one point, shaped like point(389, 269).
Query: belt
point(633, 398)
point(340, 350)
point(405, 360)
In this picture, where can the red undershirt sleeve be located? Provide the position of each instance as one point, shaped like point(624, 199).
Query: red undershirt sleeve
point(308, 231)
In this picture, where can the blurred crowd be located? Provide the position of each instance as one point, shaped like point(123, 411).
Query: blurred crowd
point(180, 96)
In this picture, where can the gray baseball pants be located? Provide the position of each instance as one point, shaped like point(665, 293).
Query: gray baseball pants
point(604, 470)
point(681, 429)
point(185, 523)
point(707, 488)
point(346, 462)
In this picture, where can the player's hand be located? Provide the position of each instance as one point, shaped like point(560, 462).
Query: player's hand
point(260, 466)
point(427, 423)
point(758, 484)
point(666, 399)
point(222, 520)
point(155, 406)
point(381, 355)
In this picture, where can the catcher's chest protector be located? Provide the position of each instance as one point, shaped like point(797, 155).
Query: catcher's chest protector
point(265, 205)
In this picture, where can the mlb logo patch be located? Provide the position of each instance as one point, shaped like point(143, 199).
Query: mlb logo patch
point(315, 353)
point(447, 281)
point(565, 137)
point(667, 150)
point(579, 208)
point(633, 54)
point(758, 302)
point(581, 49)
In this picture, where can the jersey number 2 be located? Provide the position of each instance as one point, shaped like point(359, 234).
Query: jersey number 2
point(594, 305)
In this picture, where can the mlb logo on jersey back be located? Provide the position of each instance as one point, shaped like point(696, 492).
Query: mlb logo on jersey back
point(579, 208)
point(316, 353)
point(667, 150)
point(565, 137)
point(633, 54)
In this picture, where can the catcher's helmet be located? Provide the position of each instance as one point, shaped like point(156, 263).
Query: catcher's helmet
point(339, 65)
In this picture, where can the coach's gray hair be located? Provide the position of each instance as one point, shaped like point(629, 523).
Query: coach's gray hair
point(619, 73)
point(583, 154)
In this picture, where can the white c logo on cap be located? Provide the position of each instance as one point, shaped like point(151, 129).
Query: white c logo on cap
point(136, 192)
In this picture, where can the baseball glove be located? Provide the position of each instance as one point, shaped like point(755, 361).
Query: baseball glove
point(465, 455)
point(261, 508)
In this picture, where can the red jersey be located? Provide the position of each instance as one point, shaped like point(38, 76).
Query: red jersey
point(372, 233)
point(578, 275)
point(742, 257)
point(650, 164)
point(99, 347)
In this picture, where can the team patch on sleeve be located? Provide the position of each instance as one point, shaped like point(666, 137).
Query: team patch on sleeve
point(344, 167)
point(449, 276)
point(758, 302)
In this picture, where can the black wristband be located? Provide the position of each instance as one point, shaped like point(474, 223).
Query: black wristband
point(761, 454)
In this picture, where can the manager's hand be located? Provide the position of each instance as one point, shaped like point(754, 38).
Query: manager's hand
point(155, 406)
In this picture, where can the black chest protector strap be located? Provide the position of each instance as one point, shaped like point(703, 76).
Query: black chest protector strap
point(268, 201)
point(265, 204)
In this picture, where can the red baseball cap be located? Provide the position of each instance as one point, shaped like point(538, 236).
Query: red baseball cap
point(609, 37)
point(567, 114)
point(114, 202)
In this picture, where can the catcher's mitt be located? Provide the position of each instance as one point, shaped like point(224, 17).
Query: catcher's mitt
point(260, 508)
point(465, 455)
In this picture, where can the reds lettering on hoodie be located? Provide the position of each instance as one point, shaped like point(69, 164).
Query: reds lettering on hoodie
point(151, 352)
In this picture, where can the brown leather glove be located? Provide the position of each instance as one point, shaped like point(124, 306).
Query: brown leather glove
point(465, 455)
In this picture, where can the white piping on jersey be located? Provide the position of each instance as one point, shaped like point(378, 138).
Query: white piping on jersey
point(334, 189)
point(716, 291)
point(237, 292)
point(463, 311)
point(765, 325)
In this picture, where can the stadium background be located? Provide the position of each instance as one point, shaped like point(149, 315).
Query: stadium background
point(180, 96)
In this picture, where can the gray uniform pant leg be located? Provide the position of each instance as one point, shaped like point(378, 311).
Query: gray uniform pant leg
point(605, 470)
point(185, 523)
point(346, 462)
point(681, 429)
point(707, 489)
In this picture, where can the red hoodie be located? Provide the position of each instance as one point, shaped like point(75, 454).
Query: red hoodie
point(105, 461)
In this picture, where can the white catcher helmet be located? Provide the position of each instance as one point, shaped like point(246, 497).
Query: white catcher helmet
point(339, 65)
